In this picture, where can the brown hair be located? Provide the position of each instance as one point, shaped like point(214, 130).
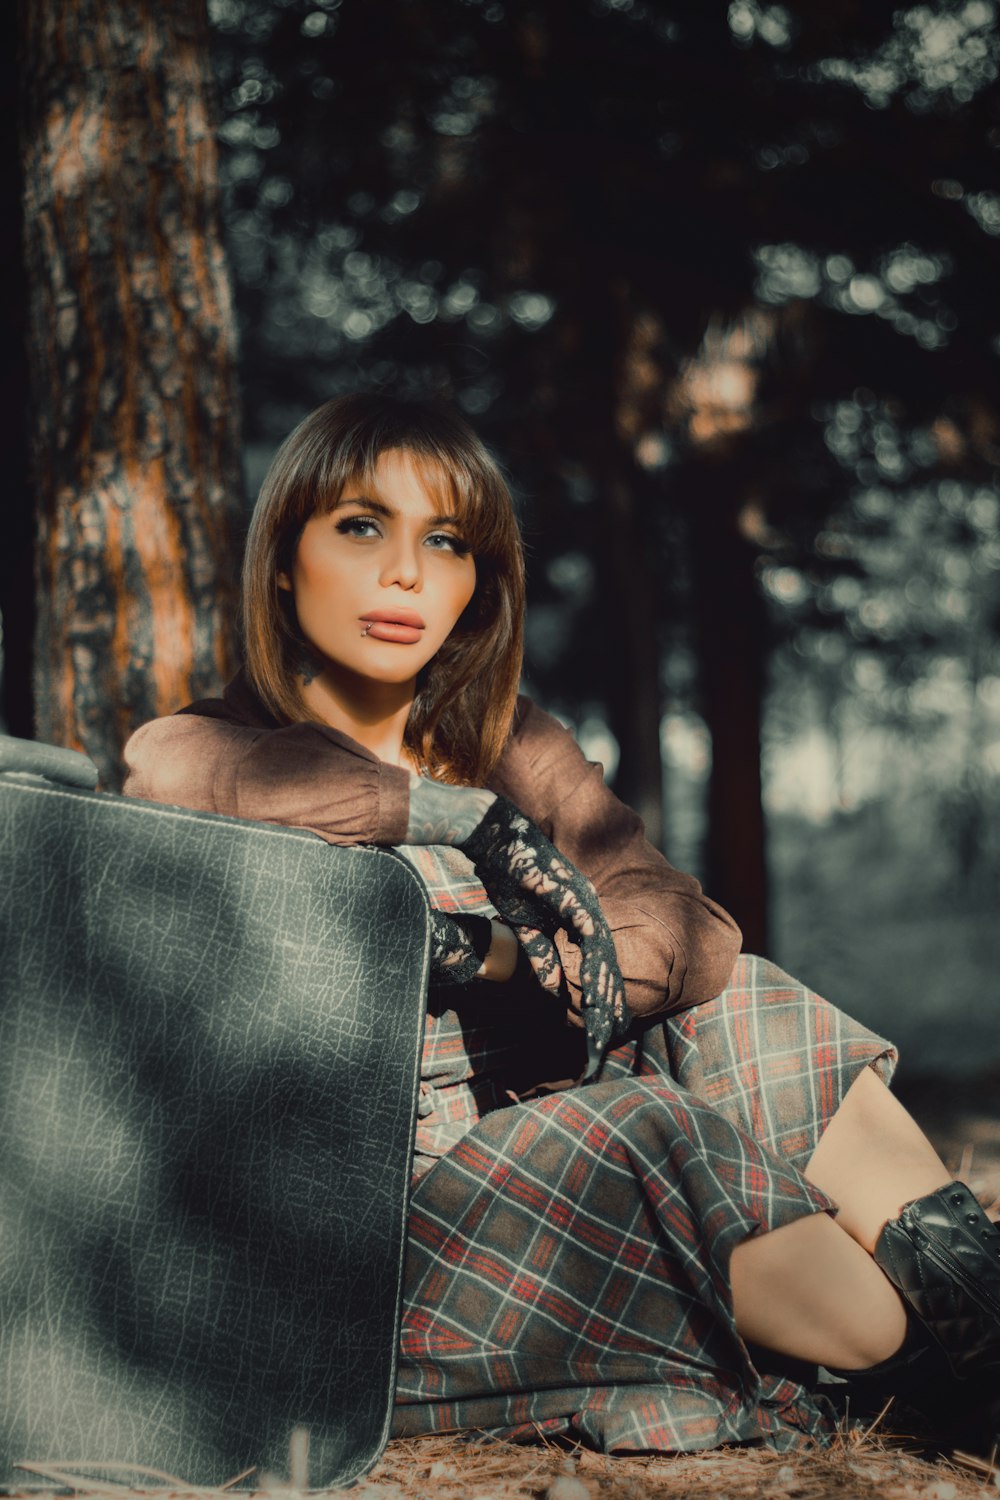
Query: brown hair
point(464, 707)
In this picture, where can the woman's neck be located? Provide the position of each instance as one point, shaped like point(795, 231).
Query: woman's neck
point(373, 713)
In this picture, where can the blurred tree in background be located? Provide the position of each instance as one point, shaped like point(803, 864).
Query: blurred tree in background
point(717, 281)
point(131, 360)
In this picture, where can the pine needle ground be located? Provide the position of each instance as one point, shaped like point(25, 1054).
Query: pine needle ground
point(862, 1464)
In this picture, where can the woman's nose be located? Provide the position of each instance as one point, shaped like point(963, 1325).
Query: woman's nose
point(401, 565)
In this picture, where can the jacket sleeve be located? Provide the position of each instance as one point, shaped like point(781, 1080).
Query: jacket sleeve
point(306, 775)
point(676, 948)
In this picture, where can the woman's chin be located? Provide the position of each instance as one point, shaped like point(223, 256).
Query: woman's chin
point(358, 678)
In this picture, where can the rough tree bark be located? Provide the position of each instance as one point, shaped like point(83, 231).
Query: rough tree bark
point(17, 595)
point(131, 351)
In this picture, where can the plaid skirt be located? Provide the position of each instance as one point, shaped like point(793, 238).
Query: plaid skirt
point(567, 1263)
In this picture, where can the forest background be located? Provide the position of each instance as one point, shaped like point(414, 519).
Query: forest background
point(718, 284)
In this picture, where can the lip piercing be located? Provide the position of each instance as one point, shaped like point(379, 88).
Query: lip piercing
point(367, 628)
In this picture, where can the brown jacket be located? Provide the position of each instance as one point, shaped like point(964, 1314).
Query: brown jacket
point(228, 755)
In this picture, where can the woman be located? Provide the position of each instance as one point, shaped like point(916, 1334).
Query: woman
point(647, 1227)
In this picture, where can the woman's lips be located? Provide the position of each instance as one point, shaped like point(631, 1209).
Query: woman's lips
point(402, 626)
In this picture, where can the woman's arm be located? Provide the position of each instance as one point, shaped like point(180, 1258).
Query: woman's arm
point(303, 775)
point(501, 960)
point(309, 777)
point(675, 946)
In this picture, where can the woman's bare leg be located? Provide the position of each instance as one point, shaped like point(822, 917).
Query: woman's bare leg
point(872, 1158)
point(809, 1290)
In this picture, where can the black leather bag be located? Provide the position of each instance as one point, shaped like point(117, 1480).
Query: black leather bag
point(210, 1037)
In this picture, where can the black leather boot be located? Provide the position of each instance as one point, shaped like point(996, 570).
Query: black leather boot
point(943, 1254)
point(918, 1377)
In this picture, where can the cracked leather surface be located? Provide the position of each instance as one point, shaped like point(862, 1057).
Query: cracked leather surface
point(51, 762)
point(210, 1042)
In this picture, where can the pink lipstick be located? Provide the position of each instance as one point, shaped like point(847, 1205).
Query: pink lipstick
point(402, 626)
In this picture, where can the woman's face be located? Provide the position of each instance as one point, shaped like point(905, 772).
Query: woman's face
point(380, 581)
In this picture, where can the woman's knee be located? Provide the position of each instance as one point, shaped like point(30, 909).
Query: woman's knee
point(757, 984)
point(753, 974)
point(613, 1101)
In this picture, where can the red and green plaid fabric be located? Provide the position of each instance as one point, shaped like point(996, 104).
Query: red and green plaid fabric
point(567, 1267)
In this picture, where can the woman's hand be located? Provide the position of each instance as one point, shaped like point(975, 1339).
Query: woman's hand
point(537, 891)
point(460, 947)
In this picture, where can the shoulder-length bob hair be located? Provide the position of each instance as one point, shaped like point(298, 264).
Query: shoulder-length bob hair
point(464, 707)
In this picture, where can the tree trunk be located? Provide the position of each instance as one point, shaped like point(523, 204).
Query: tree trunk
point(17, 594)
point(629, 669)
point(632, 666)
point(731, 650)
point(131, 350)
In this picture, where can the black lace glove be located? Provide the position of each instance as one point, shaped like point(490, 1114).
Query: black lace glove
point(538, 891)
point(540, 958)
point(458, 946)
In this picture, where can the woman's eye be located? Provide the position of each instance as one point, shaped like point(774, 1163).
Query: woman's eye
point(358, 526)
point(445, 540)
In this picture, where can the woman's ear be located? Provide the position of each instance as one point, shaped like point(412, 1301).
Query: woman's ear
point(283, 581)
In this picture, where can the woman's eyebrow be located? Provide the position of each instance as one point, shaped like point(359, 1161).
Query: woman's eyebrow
point(381, 509)
point(379, 506)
